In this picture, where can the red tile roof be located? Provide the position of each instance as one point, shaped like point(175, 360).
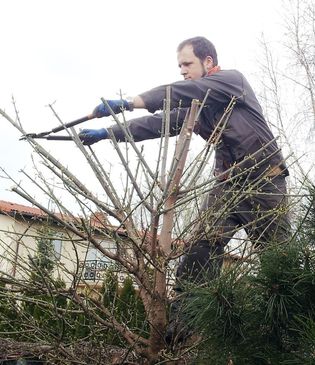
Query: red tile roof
point(13, 208)
point(98, 219)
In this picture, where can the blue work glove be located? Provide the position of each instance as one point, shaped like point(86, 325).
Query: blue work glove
point(116, 105)
point(90, 136)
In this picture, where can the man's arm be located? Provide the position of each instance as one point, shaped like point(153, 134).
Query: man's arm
point(142, 128)
point(220, 88)
point(151, 126)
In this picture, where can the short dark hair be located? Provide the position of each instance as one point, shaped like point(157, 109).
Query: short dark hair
point(202, 48)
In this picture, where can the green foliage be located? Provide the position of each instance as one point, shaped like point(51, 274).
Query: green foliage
point(110, 288)
point(110, 291)
point(34, 314)
point(125, 304)
point(130, 309)
point(40, 310)
point(8, 312)
point(265, 316)
point(307, 221)
point(43, 263)
point(43, 313)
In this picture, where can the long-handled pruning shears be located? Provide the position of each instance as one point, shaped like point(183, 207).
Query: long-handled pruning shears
point(48, 136)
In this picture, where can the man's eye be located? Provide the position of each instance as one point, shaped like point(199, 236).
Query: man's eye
point(185, 64)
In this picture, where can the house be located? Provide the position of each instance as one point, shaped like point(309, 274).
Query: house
point(75, 259)
point(21, 228)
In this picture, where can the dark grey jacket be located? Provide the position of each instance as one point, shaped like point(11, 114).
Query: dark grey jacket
point(245, 133)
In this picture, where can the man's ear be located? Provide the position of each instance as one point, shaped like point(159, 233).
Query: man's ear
point(208, 63)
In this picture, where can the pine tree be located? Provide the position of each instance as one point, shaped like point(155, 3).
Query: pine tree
point(130, 307)
point(41, 299)
point(265, 315)
point(43, 262)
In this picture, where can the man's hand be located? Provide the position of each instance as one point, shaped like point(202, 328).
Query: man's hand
point(90, 136)
point(116, 105)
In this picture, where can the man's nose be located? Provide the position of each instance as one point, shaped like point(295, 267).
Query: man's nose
point(183, 70)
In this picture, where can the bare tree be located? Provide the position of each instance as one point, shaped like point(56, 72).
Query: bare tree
point(288, 89)
point(149, 230)
point(146, 212)
point(288, 84)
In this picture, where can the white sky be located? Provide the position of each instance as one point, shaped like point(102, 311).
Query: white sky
point(74, 52)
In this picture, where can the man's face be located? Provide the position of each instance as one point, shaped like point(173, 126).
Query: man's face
point(190, 65)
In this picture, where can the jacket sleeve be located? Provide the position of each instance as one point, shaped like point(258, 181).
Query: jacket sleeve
point(151, 126)
point(222, 86)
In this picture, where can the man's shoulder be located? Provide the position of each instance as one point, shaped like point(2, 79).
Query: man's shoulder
point(228, 73)
point(228, 76)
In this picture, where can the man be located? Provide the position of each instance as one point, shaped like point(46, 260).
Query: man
point(246, 155)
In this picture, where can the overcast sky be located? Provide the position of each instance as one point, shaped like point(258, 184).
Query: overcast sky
point(72, 53)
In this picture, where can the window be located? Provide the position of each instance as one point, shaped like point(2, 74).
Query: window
point(57, 247)
point(95, 263)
